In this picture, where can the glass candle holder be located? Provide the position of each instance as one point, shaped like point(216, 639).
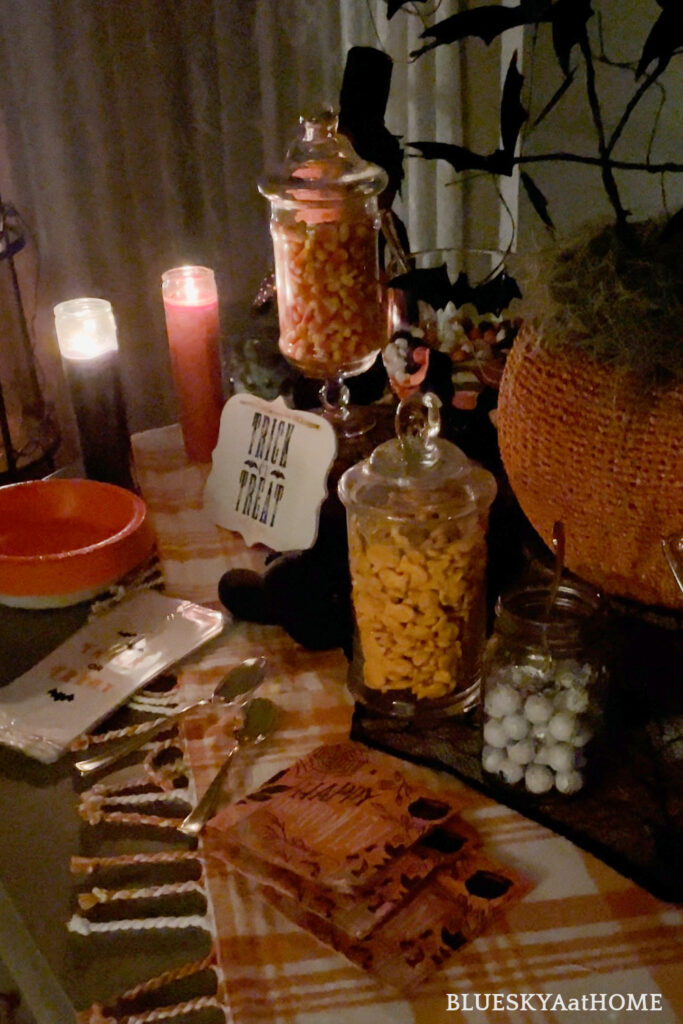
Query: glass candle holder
point(192, 325)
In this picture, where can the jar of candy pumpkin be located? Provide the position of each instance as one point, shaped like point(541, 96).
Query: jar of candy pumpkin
point(417, 514)
point(325, 226)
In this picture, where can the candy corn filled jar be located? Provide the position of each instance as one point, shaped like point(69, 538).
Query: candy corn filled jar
point(417, 514)
point(325, 226)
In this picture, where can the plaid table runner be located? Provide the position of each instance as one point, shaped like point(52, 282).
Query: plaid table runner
point(584, 944)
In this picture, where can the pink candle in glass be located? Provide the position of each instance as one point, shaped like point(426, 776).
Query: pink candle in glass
point(191, 308)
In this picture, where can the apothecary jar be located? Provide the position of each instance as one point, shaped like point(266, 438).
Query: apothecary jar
point(417, 514)
point(544, 680)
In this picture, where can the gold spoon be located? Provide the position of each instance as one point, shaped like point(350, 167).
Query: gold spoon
point(558, 547)
point(260, 719)
point(232, 690)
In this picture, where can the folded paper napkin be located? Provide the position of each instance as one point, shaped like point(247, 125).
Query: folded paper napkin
point(376, 865)
point(98, 668)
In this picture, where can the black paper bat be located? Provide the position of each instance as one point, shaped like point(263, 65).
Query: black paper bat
point(395, 5)
point(433, 286)
point(59, 694)
point(512, 113)
point(569, 26)
point(512, 117)
point(666, 36)
point(537, 199)
point(462, 159)
point(428, 284)
point(485, 23)
point(491, 296)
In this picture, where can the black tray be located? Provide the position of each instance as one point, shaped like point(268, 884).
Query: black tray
point(631, 816)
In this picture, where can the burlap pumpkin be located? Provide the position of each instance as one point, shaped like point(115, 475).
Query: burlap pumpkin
point(583, 443)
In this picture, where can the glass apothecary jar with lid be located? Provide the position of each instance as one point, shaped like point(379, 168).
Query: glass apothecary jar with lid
point(544, 683)
point(324, 224)
point(417, 514)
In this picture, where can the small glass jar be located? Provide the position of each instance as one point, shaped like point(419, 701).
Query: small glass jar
point(544, 680)
point(325, 226)
point(417, 514)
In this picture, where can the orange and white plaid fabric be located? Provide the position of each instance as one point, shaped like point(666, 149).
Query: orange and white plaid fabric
point(584, 944)
point(193, 551)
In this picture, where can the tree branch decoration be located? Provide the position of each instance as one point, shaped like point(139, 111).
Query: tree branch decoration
point(569, 23)
point(644, 259)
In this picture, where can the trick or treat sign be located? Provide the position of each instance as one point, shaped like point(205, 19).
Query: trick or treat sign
point(269, 473)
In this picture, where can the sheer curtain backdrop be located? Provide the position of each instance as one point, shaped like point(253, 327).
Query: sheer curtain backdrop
point(133, 134)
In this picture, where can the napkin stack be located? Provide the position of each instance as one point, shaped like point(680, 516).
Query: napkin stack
point(373, 862)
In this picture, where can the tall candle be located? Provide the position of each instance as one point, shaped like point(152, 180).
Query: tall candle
point(191, 308)
point(88, 343)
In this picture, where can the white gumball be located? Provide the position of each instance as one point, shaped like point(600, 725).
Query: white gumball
point(502, 700)
point(571, 674)
point(538, 708)
point(518, 675)
point(575, 700)
point(516, 726)
point(568, 782)
point(561, 757)
point(522, 752)
point(562, 725)
point(494, 733)
point(538, 778)
point(511, 771)
point(492, 758)
point(542, 755)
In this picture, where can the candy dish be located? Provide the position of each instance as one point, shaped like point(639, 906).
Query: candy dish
point(64, 541)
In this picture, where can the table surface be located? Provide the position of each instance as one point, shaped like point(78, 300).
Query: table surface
point(41, 832)
point(582, 929)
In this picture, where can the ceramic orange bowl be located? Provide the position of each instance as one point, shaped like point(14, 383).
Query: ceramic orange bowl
point(65, 541)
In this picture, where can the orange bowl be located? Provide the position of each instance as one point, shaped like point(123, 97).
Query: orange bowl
point(64, 541)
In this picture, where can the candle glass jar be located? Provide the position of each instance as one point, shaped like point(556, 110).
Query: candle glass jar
point(417, 514)
point(544, 681)
point(88, 343)
point(193, 329)
point(324, 226)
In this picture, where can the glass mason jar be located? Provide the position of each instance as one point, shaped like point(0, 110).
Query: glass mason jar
point(417, 514)
point(325, 226)
point(544, 680)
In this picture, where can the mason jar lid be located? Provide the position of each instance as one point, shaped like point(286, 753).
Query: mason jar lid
point(418, 470)
point(322, 166)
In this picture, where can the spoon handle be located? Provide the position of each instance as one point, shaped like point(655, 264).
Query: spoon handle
point(558, 546)
point(132, 743)
point(234, 690)
point(197, 818)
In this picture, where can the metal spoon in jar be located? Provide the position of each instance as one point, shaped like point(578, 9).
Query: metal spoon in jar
point(558, 547)
point(260, 719)
point(232, 690)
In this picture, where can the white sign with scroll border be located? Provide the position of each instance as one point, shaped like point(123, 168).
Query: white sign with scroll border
point(269, 473)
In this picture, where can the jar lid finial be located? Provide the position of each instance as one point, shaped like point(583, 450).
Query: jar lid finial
point(418, 424)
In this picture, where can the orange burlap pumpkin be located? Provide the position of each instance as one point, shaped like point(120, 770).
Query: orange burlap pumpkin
point(583, 443)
